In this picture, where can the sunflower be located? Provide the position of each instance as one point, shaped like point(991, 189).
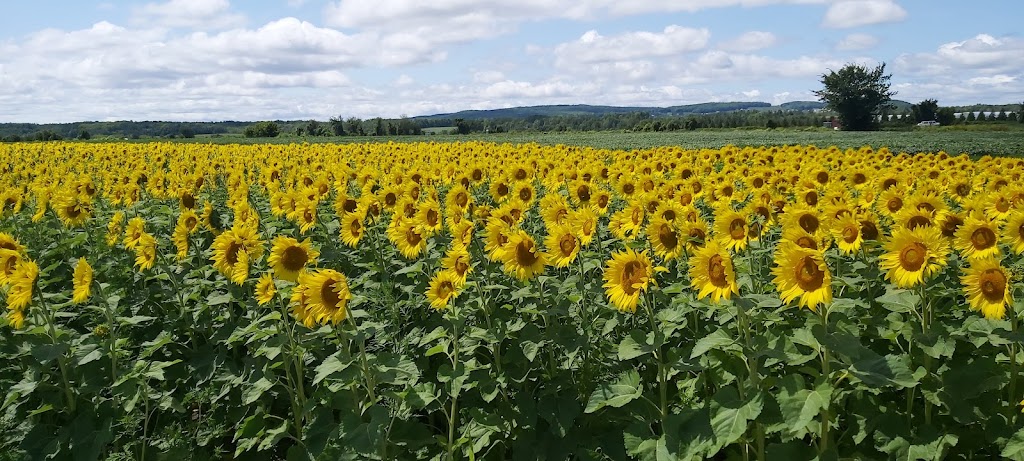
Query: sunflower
point(328, 294)
point(289, 257)
point(554, 210)
point(300, 302)
point(891, 201)
point(497, 235)
point(732, 228)
point(694, 234)
point(265, 289)
point(9, 260)
point(521, 256)
point(977, 239)
point(847, 234)
point(562, 246)
point(802, 273)
point(987, 286)
point(912, 255)
point(133, 232)
point(407, 236)
point(304, 215)
point(234, 250)
point(8, 242)
point(583, 221)
point(711, 272)
point(73, 209)
point(627, 276)
point(458, 197)
point(602, 200)
point(444, 288)
point(145, 252)
point(428, 217)
point(525, 193)
point(581, 193)
point(1013, 231)
point(22, 281)
point(951, 223)
point(462, 233)
point(352, 228)
point(457, 261)
point(665, 238)
point(912, 218)
point(82, 281)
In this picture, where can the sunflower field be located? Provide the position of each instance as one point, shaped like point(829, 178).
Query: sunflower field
point(496, 301)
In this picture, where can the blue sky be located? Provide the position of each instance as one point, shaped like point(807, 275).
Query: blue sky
point(63, 61)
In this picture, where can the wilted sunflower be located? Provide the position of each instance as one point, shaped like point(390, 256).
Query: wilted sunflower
point(562, 246)
point(627, 276)
point(987, 286)
point(328, 294)
point(1013, 231)
point(265, 289)
point(289, 257)
point(457, 260)
point(912, 255)
point(711, 272)
point(443, 288)
point(802, 273)
point(977, 239)
point(82, 279)
point(521, 256)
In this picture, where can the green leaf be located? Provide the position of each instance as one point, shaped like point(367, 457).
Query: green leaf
point(272, 436)
point(216, 299)
point(626, 389)
point(800, 405)
point(47, 352)
point(91, 357)
point(135, 320)
point(254, 391)
point(719, 339)
point(890, 370)
point(1014, 448)
point(898, 300)
point(731, 415)
point(636, 344)
point(332, 364)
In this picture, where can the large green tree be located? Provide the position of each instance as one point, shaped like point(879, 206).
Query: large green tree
point(858, 94)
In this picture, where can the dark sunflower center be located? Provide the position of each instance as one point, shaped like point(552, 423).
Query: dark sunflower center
point(963, 189)
point(526, 255)
point(525, 194)
point(993, 285)
point(583, 192)
point(355, 227)
point(850, 234)
point(191, 222)
point(350, 205)
point(520, 174)
point(9, 265)
point(869, 230)
point(432, 217)
point(983, 238)
point(912, 256)
point(561, 214)
point(294, 258)
point(72, 211)
point(445, 289)
point(632, 275)
point(822, 177)
point(667, 236)
point(412, 237)
point(738, 228)
point(637, 216)
point(669, 215)
point(894, 204)
point(808, 276)
point(951, 225)
point(628, 189)
point(888, 183)
point(807, 242)
point(477, 174)
point(727, 191)
point(809, 223)
point(811, 198)
point(716, 271)
point(567, 244)
point(461, 199)
point(685, 198)
point(328, 294)
point(188, 201)
point(10, 246)
point(461, 266)
point(697, 236)
point(859, 178)
point(502, 190)
point(231, 255)
point(918, 221)
point(390, 199)
point(1002, 205)
point(926, 207)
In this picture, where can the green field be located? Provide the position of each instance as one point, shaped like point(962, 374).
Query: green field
point(953, 141)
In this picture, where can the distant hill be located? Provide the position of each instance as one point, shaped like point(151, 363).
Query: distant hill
point(583, 109)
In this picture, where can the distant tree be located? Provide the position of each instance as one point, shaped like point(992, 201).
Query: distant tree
point(1002, 116)
point(187, 132)
point(971, 117)
point(857, 94)
point(263, 130)
point(337, 126)
point(378, 127)
point(925, 110)
point(691, 124)
point(354, 127)
point(981, 116)
point(314, 128)
point(461, 127)
point(300, 131)
point(771, 124)
point(945, 116)
point(1020, 113)
point(84, 135)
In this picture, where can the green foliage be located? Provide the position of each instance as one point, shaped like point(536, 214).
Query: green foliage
point(857, 93)
point(263, 130)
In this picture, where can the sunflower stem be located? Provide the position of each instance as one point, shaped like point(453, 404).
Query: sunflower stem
point(362, 357)
point(453, 415)
point(659, 356)
point(1013, 367)
point(52, 332)
point(586, 324)
point(826, 417)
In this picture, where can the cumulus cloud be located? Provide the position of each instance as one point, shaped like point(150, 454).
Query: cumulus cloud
point(188, 14)
point(750, 41)
point(967, 71)
point(856, 13)
point(592, 47)
point(857, 42)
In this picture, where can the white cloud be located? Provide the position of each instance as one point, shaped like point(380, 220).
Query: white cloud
point(750, 41)
point(592, 47)
point(982, 54)
point(857, 42)
point(855, 13)
point(188, 14)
